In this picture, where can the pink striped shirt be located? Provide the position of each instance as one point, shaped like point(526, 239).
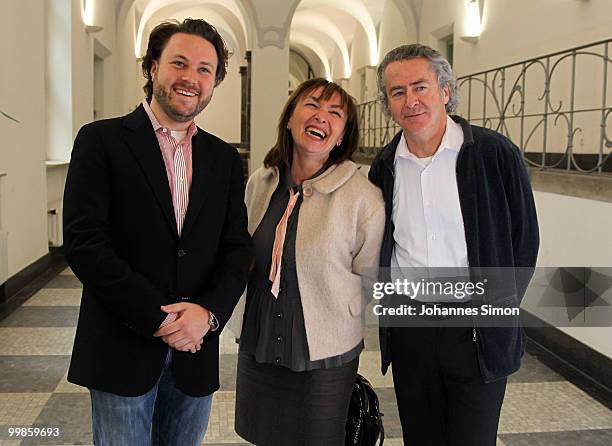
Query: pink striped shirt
point(167, 145)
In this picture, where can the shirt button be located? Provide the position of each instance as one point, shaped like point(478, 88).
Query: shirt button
point(307, 191)
point(165, 130)
point(181, 253)
point(279, 339)
point(278, 360)
point(279, 315)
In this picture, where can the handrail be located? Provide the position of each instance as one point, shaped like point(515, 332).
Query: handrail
point(554, 107)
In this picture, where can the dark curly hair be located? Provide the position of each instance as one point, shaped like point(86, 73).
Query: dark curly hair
point(161, 35)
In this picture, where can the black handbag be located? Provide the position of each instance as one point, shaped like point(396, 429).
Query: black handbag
point(364, 423)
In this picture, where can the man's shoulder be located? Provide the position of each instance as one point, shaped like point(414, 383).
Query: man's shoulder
point(386, 151)
point(104, 124)
point(489, 139)
point(494, 147)
point(215, 143)
point(112, 126)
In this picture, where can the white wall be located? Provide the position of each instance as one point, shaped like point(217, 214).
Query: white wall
point(575, 232)
point(222, 116)
point(269, 94)
point(82, 62)
point(521, 29)
point(359, 56)
point(130, 81)
point(395, 29)
point(22, 153)
point(58, 78)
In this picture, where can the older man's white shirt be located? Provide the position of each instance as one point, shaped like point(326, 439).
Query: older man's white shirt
point(426, 213)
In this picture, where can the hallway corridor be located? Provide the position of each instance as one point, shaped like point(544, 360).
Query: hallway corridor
point(541, 407)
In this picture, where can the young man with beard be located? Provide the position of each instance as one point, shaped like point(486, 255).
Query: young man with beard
point(457, 196)
point(155, 227)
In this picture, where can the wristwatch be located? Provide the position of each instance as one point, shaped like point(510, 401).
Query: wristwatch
point(212, 321)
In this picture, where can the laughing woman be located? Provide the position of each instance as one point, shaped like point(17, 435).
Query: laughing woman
point(317, 226)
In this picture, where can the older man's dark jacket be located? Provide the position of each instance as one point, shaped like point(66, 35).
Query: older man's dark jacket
point(501, 230)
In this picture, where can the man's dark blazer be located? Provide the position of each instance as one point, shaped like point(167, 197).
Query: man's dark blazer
point(121, 240)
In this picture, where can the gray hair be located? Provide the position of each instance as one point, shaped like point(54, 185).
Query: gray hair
point(438, 63)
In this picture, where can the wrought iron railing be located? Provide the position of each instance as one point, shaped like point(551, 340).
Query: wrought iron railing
point(555, 107)
point(376, 129)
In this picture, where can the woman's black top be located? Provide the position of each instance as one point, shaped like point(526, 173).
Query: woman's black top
point(273, 328)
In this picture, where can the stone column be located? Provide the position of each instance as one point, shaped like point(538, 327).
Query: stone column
point(271, 21)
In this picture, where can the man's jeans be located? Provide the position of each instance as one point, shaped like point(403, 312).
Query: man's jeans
point(162, 416)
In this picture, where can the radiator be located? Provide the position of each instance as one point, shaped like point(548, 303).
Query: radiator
point(54, 225)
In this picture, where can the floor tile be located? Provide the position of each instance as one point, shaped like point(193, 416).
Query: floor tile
point(22, 374)
point(391, 419)
point(221, 423)
point(532, 370)
point(602, 437)
point(65, 281)
point(227, 343)
point(21, 409)
point(71, 413)
point(551, 406)
point(369, 367)
point(36, 341)
point(370, 337)
point(217, 444)
point(227, 371)
point(65, 387)
point(42, 317)
point(540, 405)
point(51, 297)
point(393, 441)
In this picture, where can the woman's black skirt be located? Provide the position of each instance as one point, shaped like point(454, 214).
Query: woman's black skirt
point(276, 406)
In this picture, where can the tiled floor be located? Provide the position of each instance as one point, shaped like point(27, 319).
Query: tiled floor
point(541, 407)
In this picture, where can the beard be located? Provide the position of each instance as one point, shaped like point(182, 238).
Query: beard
point(162, 96)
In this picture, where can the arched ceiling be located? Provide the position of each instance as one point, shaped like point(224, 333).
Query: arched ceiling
point(304, 38)
point(307, 20)
point(326, 27)
point(234, 23)
point(347, 13)
point(225, 22)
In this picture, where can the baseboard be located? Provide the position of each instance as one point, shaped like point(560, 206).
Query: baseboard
point(580, 362)
point(23, 277)
point(21, 286)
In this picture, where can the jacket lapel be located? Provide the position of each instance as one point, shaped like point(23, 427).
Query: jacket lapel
point(143, 143)
point(203, 160)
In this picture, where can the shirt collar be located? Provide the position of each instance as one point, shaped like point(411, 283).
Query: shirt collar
point(192, 130)
point(451, 140)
